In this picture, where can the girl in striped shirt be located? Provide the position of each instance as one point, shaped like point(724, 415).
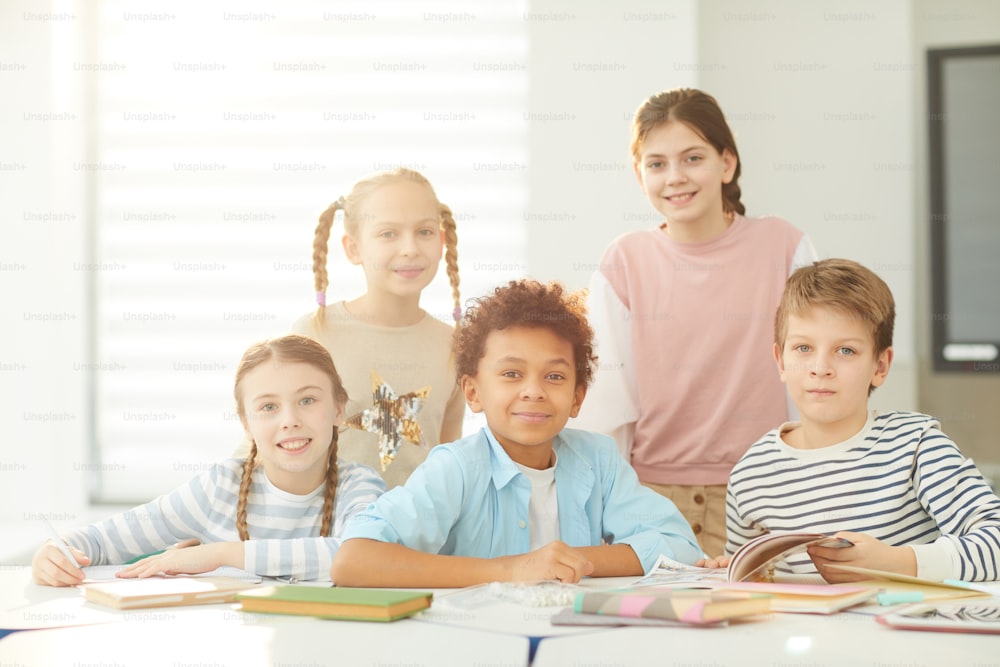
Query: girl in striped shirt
point(278, 512)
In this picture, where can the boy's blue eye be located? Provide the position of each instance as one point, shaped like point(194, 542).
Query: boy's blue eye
point(846, 351)
point(268, 407)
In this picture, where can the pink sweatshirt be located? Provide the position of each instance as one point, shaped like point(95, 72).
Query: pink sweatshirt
point(686, 380)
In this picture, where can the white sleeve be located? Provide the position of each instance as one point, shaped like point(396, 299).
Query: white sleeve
point(612, 404)
point(805, 254)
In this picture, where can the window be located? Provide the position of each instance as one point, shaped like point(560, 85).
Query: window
point(964, 94)
point(219, 135)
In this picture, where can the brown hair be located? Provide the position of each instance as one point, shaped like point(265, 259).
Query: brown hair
point(526, 303)
point(296, 349)
point(842, 285)
point(351, 205)
point(700, 112)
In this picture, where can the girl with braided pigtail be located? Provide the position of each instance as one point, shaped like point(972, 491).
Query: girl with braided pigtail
point(395, 358)
point(278, 512)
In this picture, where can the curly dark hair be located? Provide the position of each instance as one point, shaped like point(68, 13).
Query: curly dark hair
point(526, 303)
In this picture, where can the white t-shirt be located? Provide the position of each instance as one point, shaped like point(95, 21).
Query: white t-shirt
point(543, 508)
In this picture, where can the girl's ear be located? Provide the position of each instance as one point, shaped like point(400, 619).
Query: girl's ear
point(351, 249)
point(729, 163)
point(637, 168)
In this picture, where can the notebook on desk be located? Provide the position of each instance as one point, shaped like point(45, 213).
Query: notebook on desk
point(164, 591)
point(98, 573)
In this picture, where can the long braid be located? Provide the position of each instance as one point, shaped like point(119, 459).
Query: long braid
point(451, 257)
point(241, 506)
point(321, 241)
point(731, 195)
point(330, 493)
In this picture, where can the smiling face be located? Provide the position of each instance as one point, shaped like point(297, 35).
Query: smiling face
point(398, 239)
point(526, 384)
point(829, 362)
point(290, 411)
point(682, 175)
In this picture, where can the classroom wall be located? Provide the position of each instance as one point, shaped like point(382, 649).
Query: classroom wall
point(826, 134)
point(43, 286)
point(831, 139)
point(966, 403)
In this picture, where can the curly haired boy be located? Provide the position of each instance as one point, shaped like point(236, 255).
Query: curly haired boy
point(523, 499)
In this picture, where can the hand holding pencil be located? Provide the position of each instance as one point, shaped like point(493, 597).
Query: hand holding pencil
point(56, 563)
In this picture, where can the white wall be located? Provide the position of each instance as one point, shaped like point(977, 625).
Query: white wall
point(825, 131)
point(820, 96)
point(43, 403)
point(590, 70)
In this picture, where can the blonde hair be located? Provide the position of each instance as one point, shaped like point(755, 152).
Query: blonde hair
point(351, 205)
point(700, 112)
point(295, 349)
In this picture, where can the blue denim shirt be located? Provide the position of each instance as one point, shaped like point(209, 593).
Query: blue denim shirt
point(469, 499)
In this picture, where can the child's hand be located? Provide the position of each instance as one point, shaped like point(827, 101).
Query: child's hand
point(556, 560)
point(717, 562)
point(867, 552)
point(187, 557)
point(49, 567)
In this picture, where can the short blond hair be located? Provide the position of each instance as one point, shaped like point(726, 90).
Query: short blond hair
point(842, 285)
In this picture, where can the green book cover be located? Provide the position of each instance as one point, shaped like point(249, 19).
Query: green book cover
point(361, 604)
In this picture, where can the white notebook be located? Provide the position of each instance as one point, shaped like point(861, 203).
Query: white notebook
point(96, 573)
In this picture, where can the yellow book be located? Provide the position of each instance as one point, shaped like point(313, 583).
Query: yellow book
point(350, 604)
point(896, 588)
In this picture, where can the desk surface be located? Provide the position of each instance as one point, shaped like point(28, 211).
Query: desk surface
point(778, 639)
point(495, 633)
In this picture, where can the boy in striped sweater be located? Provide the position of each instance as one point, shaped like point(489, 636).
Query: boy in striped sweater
point(892, 483)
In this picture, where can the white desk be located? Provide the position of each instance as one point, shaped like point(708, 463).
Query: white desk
point(216, 635)
point(307, 642)
point(493, 634)
point(778, 639)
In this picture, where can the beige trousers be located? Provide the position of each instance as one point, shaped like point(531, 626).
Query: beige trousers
point(704, 507)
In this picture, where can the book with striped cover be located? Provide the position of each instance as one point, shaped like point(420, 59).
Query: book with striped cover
point(694, 606)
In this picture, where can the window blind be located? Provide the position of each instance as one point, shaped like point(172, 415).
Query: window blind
point(220, 134)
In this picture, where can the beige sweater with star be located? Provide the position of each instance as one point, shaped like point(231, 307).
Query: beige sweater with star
point(407, 359)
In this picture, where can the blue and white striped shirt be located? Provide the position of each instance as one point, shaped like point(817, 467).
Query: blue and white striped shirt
point(900, 480)
point(283, 527)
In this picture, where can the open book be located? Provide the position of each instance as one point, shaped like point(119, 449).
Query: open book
point(751, 570)
point(754, 561)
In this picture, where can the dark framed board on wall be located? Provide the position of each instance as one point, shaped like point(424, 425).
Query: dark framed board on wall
point(963, 86)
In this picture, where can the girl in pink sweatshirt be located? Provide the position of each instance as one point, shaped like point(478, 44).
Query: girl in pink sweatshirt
point(683, 314)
